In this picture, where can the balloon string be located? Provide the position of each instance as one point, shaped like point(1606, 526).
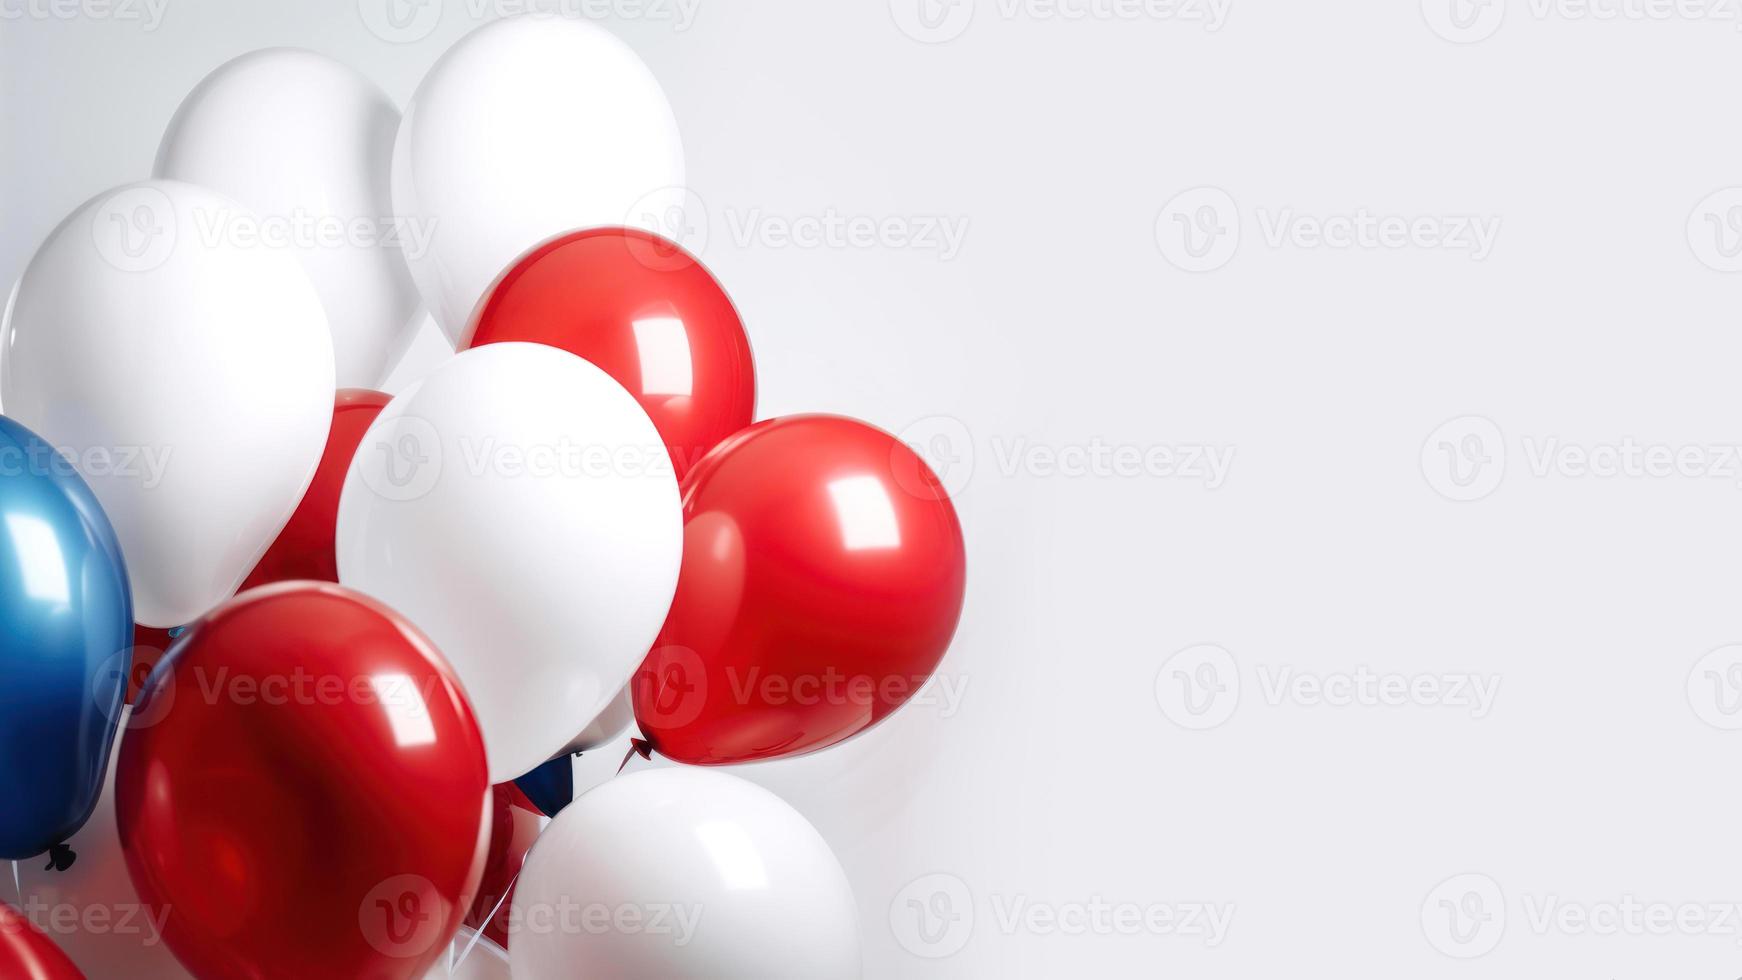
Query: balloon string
point(18, 884)
point(637, 747)
point(478, 933)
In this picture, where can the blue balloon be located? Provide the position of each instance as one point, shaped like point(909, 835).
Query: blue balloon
point(551, 786)
point(66, 645)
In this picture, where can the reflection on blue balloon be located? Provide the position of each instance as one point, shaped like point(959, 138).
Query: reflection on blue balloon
point(66, 634)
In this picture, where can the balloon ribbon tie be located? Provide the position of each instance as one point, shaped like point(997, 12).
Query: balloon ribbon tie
point(60, 858)
point(637, 747)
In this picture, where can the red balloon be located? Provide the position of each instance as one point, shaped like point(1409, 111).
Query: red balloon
point(27, 954)
point(822, 579)
point(306, 791)
point(513, 831)
point(304, 549)
point(644, 311)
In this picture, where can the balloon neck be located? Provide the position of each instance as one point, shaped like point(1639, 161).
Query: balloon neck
point(637, 747)
point(60, 858)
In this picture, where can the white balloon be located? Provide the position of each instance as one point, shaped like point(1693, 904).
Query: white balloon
point(91, 910)
point(694, 874)
point(604, 729)
point(514, 505)
point(483, 961)
point(307, 143)
point(189, 375)
point(529, 127)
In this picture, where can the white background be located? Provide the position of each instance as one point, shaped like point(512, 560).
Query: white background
point(1065, 322)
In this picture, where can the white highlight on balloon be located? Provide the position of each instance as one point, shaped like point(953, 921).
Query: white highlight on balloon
point(866, 514)
point(45, 575)
point(663, 346)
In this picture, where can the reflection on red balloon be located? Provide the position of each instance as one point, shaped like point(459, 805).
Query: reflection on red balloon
point(27, 954)
point(647, 313)
point(304, 549)
point(823, 575)
point(312, 798)
point(513, 831)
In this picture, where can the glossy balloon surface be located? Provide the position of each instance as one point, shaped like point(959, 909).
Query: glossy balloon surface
point(743, 887)
point(606, 727)
point(304, 549)
point(822, 580)
point(529, 127)
point(646, 312)
point(91, 910)
point(305, 790)
point(65, 636)
point(513, 830)
point(519, 508)
point(27, 954)
point(187, 372)
point(307, 144)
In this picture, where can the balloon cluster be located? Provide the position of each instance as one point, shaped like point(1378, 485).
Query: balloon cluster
point(343, 646)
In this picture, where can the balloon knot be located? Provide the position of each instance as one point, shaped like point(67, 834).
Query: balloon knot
point(637, 747)
point(60, 858)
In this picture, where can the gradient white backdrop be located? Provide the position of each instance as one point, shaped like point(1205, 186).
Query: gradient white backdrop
point(1384, 256)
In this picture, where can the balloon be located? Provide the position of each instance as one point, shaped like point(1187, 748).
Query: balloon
point(649, 314)
point(186, 371)
point(529, 127)
point(91, 910)
point(822, 580)
point(514, 828)
point(65, 624)
point(604, 729)
point(693, 874)
point(304, 549)
point(27, 954)
point(307, 143)
point(551, 786)
point(518, 506)
point(307, 796)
